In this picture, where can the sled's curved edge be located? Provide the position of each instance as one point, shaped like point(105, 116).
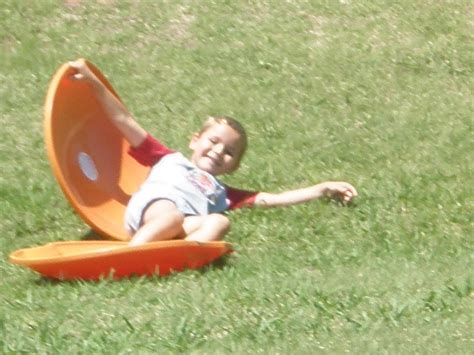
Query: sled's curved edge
point(97, 247)
point(95, 259)
point(61, 74)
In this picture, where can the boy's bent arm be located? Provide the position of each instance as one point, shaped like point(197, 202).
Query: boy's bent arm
point(333, 189)
point(120, 117)
point(118, 113)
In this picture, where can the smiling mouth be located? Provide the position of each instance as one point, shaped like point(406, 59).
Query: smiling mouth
point(213, 160)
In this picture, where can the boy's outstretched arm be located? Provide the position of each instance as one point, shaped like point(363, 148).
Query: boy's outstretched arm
point(339, 190)
point(118, 113)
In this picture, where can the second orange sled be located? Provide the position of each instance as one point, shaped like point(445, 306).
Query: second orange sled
point(88, 155)
point(92, 260)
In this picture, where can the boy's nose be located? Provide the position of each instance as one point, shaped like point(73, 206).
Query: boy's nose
point(218, 148)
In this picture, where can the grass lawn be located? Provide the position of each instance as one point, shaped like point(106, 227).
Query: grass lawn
point(378, 93)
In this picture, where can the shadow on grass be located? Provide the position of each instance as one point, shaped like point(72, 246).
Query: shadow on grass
point(91, 235)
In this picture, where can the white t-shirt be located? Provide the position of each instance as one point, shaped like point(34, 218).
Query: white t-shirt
point(175, 178)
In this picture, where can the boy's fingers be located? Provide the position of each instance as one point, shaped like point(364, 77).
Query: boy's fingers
point(351, 189)
point(75, 64)
point(78, 68)
point(344, 191)
point(77, 76)
point(347, 196)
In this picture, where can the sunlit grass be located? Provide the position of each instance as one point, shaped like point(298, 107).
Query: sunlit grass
point(376, 93)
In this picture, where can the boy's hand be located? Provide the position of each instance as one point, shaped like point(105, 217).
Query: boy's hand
point(339, 190)
point(81, 71)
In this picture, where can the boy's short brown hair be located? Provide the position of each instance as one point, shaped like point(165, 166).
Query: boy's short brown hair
point(231, 122)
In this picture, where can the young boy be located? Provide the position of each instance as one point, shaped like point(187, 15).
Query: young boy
point(181, 198)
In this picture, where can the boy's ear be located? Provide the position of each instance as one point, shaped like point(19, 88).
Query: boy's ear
point(193, 140)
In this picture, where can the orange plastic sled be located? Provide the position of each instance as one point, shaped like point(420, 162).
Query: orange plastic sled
point(92, 260)
point(88, 155)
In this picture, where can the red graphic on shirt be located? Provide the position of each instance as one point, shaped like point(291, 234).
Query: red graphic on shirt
point(204, 183)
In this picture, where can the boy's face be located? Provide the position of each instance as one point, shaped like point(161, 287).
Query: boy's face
point(217, 150)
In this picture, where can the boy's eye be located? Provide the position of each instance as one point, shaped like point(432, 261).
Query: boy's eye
point(213, 140)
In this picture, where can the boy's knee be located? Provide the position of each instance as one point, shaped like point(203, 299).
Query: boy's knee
point(176, 218)
point(221, 222)
point(178, 215)
point(212, 227)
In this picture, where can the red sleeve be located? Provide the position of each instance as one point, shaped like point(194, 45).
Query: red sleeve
point(150, 151)
point(240, 198)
